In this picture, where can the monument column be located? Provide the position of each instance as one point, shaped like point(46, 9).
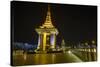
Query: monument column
point(54, 36)
point(44, 41)
point(39, 42)
point(53, 40)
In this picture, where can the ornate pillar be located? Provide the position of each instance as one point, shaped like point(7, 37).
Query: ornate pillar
point(38, 42)
point(53, 40)
point(44, 41)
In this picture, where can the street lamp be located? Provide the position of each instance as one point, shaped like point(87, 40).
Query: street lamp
point(87, 50)
point(86, 44)
point(94, 46)
point(94, 50)
point(93, 42)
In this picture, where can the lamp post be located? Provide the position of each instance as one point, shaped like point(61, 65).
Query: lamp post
point(93, 44)
point(94, 56)
point(86, 51)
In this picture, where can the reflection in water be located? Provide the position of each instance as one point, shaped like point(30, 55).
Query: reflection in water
point(86, 54)
point(25, 59)
point(51, 58)
point(25, 56)
point(36, 58)
point(44, 58)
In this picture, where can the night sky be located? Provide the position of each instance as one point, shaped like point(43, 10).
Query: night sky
point(75, 23)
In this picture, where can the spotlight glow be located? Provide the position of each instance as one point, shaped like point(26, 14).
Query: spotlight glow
point(69, 51)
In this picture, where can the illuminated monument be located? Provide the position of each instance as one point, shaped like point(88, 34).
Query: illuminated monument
point(47, 34)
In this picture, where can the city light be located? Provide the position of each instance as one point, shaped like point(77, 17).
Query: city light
point(69, 51)
point(93, 41)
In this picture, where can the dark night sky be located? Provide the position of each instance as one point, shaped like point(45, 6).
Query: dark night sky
point(74, 22)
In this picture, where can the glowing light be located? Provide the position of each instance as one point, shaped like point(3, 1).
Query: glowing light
point(86, 43)
point(89, 50)
point(94, 50)
point(93, 42)
point(69, 51)
point(52, 39)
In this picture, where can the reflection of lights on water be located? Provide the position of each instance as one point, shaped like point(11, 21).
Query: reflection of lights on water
point(53, 58)
point(69, 51)
point(94, 50)
point(89, 50)
point(25, 56)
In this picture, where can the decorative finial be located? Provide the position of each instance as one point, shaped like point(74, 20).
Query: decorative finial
point(48, 7)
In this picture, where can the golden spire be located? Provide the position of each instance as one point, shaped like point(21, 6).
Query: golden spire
point(48, 22)
point(48, 17)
